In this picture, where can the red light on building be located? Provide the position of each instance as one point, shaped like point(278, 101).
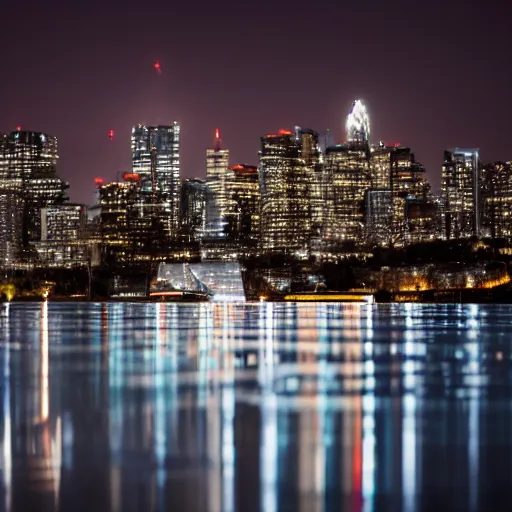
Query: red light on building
point(129, 176)
point(237, 167)
point(99, 181)
point(396, 145)
point(285, 132)
point(18, 128)
point(217, 134)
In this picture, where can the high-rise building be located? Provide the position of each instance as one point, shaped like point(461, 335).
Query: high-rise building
point(217, 199)
point(11, 226)
point(30, 166)
point(347, 169)
point(460, 186)
point(346, 179)
point(496, 193)
point(62, 235)
point(156, 160)
point(378, 216)
point(116, 201)
point(285, 185)
point(243, 206)
point(193, 208)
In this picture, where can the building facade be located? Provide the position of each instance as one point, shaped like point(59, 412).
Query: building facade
point(496, 193)
point(30, 161)
point(461, 192)
point(193, 209)
point(285, 185)
point(63, 229)
point(217, 195)
point(156, 161)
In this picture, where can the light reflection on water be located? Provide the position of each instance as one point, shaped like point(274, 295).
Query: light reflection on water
point(254, 407)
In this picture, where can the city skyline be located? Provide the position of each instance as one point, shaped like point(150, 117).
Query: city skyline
point(94, 81)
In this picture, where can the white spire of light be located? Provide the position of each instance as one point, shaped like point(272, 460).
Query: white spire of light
point(358, 123)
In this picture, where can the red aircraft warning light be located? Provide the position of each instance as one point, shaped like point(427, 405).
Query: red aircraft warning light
point(99, 181)
point(18, 128)
point(111, 134)
point(130, 176)
point(157, 67)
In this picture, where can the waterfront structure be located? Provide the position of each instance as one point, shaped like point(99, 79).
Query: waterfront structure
point(156, 161)
point(193, 209)
point(62, 241)
point(496, 191)
point(285, 185)
point(217, 198)
point(461, 192)
point(30, 160)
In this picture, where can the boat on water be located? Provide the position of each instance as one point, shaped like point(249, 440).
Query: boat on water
point(184, 287)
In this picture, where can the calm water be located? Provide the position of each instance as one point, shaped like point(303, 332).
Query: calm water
point(255, 407)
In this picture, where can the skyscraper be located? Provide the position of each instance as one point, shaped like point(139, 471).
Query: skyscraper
point(347, 175)
point(285, 184)
point(193, 208)
point(156, 160)
point(347, 169)
point(217, 170)
point(497, 199)
point(243, 207)
point(460, 186)
point(30, 166)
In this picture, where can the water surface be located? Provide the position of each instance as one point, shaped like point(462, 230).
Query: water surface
point(255, 407)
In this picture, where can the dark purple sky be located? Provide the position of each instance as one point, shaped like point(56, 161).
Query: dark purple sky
point(434, 74)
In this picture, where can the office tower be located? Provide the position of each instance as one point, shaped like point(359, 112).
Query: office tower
point(117, 200)
point(285, 185)
point(496, 193)
point(393, 167)
point(217, 170)
point(30, 166)
point(62, 235)
point(313, 158)
point(347, 170)
point(243, 206)
point(378, 216)
point(346, 179)
point(193, 208)
point(11, 226)
point(156, 160)
point(460, 186)
point(408, 183)
point(11, 212)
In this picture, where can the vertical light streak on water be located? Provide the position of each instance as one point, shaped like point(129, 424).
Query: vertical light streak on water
point(474, 350)
point(45, 399)
point(369, 445)
point(369, 439)
point(214, 420)
point(7, 440)
point(269, 434)
point(409, 452)
point(203, 349)
point(228, 412)
point(324, 378)
point(159, 383)
point(116, 385)
point(409, 415)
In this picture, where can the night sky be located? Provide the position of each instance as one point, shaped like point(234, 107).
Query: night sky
point(434, 74)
